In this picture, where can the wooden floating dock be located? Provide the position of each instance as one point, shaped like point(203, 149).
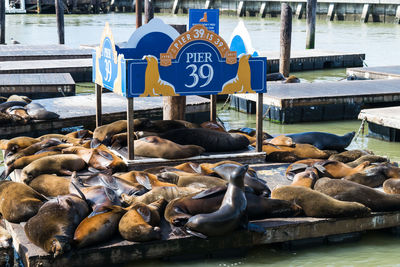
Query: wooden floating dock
point(80, 110)
point(37, 85)
point(307, 102)
point(312, 59)
point(383, 123)
point(80, 69)
point(41, 52)
point(386, 72)
point(175, 244)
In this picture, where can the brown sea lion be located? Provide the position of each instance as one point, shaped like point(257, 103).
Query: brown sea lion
point(51, 185)
point(161, 126)
point(166, 192)
point(104, 133)
point(316, 204)
point(375, 176)
point(230, 216)
point(392, 186)
point(20, 98)
point(56, 164)
point(369, 158)
point(306, 178)
point(84, 153)
point(211, 141)
point(81, 134)
point(19, 111)
point(53, 227)
point(98, 228)
point(18, 202)
point(17, 143)
point(323, 140)
point(152, 212)
point(281, 140)
point(348, 156)
point(349, 191)
point(133, 227)
point(213, 125)
point(298, 151)
point(103, 159)
point(119, 140)
point(195, 181)
point(156, 147)
point(63, 138)
point(292, 79)
point(179, 210)
point(146, 179)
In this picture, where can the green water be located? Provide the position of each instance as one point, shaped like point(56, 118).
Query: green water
point(379, 41)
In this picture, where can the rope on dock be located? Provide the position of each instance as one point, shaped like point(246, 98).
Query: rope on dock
point(226, 102)
point(266, 112)
point(361, 129)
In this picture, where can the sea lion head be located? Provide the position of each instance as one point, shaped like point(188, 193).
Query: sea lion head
point(237, 176)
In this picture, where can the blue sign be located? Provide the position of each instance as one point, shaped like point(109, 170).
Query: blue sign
point(209, 18)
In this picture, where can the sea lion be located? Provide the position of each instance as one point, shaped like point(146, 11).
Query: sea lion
point(392, 186)
point(349, 191)
point(81, 134)
point(323, 140)
point(133, 227)
point(152, 212)
point(99, 227)
point(290, 153)
point(348, 156)
point(291, 79)
point(146, 179)
point(61, 137)
point(211, 141)
point(375, 176)
point(38, 112)
point(103, 159)
point(19, 98)
point(316, 204)
point(161, 126)
point(156, 147)
point(9, 104)
point(53, 227)
point(252, 140)
point(19, 111)
point(275, 76)
point(18, 202)
point(213, 125)
point(104, 133)
point(179, 210)
point(230, 216)
point(120, 140)
point(369, 158)
point(56, 164)
point(195, 181)
point(50, 185)
point(306, 178)
point(281, 140)
point(17, 143)
point(11, 119)
point(166, 192)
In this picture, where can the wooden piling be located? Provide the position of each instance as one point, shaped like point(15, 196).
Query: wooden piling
point(286, 37)
point(39, 6)
point(262, 10)
point(299, 11)
point(213, 108)
point(148, 10)
point(60, 21)
point(2, 22)
point(397, 19)
point(174, 107)
point(311, 17)
point(365, 13)
point(130, 129)
point(175, 7)
point(239, 10)
point(138, 13)
point(331, 12)
point(207, 4)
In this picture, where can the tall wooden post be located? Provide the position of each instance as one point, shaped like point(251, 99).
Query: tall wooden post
point(286, 39)
point(174, 106)
point(138, 8)
point(310, 31)
point(148, 10)
point(39, 6)
point(2, 22)
point(259, 122)
point(60, 21)
point(213, 107)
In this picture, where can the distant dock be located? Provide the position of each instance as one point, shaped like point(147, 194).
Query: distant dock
point(80, 110)
point(306, 102)
point(375, 73)
point(383, 123)
point(41, 52)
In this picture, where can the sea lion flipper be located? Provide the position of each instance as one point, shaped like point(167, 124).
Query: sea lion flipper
point(65, 172)
point(144, 180)
point(298, 166)
point(210, 192)
point(194, 233)
point(319, 167)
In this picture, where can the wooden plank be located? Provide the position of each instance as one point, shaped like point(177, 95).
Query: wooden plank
point(384, 72)
point(41, 52)
point(388, 117)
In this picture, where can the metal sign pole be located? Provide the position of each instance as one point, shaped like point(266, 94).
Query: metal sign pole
point(99, 91)
point(131, 129)
point(259, 122)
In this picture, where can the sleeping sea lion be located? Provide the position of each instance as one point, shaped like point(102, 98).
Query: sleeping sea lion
point(98, 228)
point(348, 156)
point(8, 104)
point(17, 143)
point(316, 204)
point(62, 137)
point(104, 133)
point(211, 141)
point(349, 191)
point(50, 185)
point(323, 140)
point(38, 112)
point(369, 158)
point(20, 98)
point(230, 216)
point(53, 227)
point(19, 111)
point(156, 147)
point(146, 179)
point(18, 202)
point(81, 134)
point(195, 181)
point(306, 178)
point(56, 164)
point(213, 125)
point(151, 213)
point(161, 126)
point(375, 176)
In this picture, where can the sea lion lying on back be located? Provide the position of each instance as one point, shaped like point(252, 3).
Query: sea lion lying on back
point(53, 227)
point(316, 204)
point(211, 141)
point(18, 202)
point(56, 164)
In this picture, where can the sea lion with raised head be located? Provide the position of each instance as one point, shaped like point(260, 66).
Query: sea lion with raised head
point(104, 133)
point(18, 202)
point(38, 112)
point(349, 191)
point(53, 227)
point(56, 164)
point(316, 204)
point(156, 147)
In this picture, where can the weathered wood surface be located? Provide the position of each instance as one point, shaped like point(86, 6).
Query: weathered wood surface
point(37, 85)
point(81, 110)
point(388, 117)
point(384, 72)
point(80, 69)
point(314, 59)
point(285, 39)
point(311, 94)
point(41, 52)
